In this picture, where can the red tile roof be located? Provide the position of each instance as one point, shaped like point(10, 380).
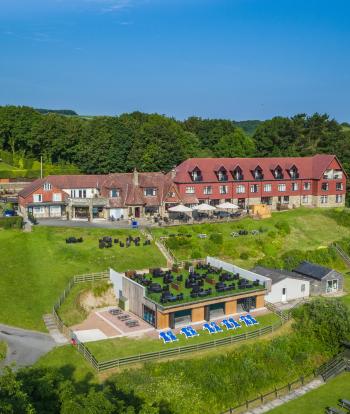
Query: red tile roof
point(308, 167)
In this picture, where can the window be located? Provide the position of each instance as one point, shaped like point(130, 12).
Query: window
point(149, 192)
point(114, 192)
point(196, 175)
point(207, 189)
point(237, 174)
point(338, 174)
point(277, 173)
point(307, 186)
point(82, 193)
point(189, 190)
point(37, 198)
point(47, 186)
point(284, 199)
point(267, 188)
point(223, 189)
point(305, 199)
point(339, 186)
point(222, 175)
point(339, 198)
point(258, 174)
point(294, 186)
point(281, 187)
point(325, 186)
point(302, 287)
point(332, 285)
point(324, 199)
point(293, 172)
point(171, 194)
point(38, 210)
point(254, 188)
point(240, 189)
point(57, 197)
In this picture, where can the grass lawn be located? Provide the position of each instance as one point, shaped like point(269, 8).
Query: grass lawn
point(317, 400)
point(123, 347)
point(6, 167)
point(35, 267)
point(310, 229)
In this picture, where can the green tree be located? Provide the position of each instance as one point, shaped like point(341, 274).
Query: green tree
point(235, 144)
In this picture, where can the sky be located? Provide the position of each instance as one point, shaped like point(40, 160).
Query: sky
point(235, 59)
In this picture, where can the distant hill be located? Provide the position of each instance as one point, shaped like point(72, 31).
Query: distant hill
point(68, 112)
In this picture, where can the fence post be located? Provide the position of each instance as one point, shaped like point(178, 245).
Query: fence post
point(302, 380)
point(276, 392)
point(289, 387)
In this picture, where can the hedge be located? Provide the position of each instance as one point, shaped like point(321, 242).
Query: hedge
point(11, 222)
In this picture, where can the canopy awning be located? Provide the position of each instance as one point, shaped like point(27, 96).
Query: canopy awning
point(228, 206)
point(204, 207)
point(180, 208)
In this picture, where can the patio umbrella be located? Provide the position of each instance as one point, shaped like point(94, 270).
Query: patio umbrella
point(228, 206)
point(204, 207)
point(180, 208)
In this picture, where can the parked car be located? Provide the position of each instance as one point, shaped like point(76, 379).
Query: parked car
point(9, 213)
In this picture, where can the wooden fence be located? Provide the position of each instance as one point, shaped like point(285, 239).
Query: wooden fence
point(328, 370)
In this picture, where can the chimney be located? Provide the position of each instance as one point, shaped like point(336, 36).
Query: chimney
point(135, 178)
point(173, 173)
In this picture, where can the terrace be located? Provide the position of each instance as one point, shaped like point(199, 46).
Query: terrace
point(202, 282)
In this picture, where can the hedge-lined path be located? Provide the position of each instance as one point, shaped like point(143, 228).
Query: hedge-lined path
point(24, 347)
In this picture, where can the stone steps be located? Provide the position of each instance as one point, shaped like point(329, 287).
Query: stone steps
point(52, 327)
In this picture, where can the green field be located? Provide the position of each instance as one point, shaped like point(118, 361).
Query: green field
point(6, 167)
point(123, 347)
point(35, 267)
point(3, 350)
point(310, 229)
point(317, 400)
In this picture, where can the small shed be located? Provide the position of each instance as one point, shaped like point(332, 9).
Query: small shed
point(322, 279)
point(285, 286)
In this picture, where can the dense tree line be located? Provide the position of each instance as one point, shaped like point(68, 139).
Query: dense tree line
point(154, 142)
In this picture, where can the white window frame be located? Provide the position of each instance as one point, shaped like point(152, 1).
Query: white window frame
point(326, 185)
point(267, 188)
point(189, 189)
point(324, 199)
point(307, 186)
point(57, 197)
point(117, 192)
point(282, 188)
point(37, 198)
point(240, 189)
point(223, 189)
point(339, 198)
point(305, 199)
point(295, 187)
point(340, 185)
point(254, 188)
point(150, 189)
point(47, 187)
point(208, 190)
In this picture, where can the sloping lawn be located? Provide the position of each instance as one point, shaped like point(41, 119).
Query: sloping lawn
point(309, 229)
point(6, 167)
point(123, 347)
point(317, 400)
point(35, 267)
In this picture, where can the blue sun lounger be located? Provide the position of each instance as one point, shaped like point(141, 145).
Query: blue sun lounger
point(186, 332)
point(215, 326)
point(209, 328)
point(228, 325)
point(172, 336)
point(250, 317)
point(234, 323)
point(193, 331)
point(246, 320)
point(165, 337)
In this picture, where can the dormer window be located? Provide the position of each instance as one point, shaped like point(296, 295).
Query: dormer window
point(222, 174)
point(237, 174)
point(258, 174)
point(294, 173)
point(196, 174)
point(149, 192)
point(114, 192)
point(278, 173)
point(47, 186)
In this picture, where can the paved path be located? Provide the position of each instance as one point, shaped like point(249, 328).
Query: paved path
point(291, 396)
point(24, 347)
point(84, 224)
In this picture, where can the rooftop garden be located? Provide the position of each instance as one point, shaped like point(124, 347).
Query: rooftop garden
point(201, 282)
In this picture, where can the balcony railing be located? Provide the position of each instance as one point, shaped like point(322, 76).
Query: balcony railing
point(94, 201)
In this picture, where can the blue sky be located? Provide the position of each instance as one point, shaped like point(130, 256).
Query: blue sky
point(237, 59)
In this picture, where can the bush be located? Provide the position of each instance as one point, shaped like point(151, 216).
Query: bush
point(283, 227)
point(196, 254)
point(326, 320)
point(11, 222)
point(216, 238)
point(244, 256)
point(98, 289)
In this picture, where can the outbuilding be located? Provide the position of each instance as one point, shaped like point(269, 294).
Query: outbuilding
point(285, 286)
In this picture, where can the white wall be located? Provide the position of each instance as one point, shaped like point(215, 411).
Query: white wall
point(90, 192)
point(117, 280)
point(293, 290)
point(247, 274)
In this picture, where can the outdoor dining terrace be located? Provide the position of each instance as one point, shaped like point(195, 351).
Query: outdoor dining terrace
point(200, 282)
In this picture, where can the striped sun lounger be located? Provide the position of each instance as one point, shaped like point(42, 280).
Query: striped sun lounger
point(165, 337)
point(172, 336)
point(235, 323)
point(209, 328)
point(228, 325)
point(215, 326)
